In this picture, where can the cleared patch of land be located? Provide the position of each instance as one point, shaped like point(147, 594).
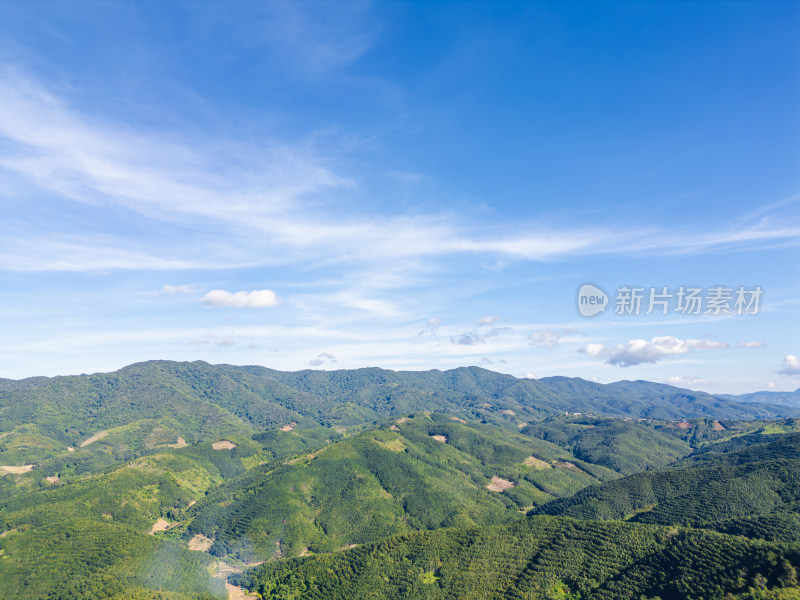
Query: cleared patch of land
point(500, 485)
point(440, 438)
point(289, 426)
point(536, 463)
point(459, 420)
point(223, 445)
point(508, 412)
point(718, 426)
point(52, 479)
point(181, 443)
point(160, 525)
point(200, 543)
point(394, 428)
point(97, 436)
point(684, 425)
point(6, 469)
point(70, 449)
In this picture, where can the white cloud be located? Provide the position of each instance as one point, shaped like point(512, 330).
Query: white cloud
point(171, 290)
point(791, 365)
point(771, 385)
point(434, 322)
point(321, 359)
point(254, 299)
point(635, 352)
point(684, 381)
point(487, 320)
point(751, 344)
point(544, 337)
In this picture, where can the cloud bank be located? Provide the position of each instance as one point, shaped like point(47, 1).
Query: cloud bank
point(636, 352)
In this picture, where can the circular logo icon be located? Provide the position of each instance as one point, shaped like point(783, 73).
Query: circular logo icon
point(591, 300)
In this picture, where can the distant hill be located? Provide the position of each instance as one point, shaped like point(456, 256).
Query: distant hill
point(774, 398)
point(149, 404)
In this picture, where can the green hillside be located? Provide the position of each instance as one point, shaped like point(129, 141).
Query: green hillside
point(752, 490)
point(539, 557)
point(136, 484)
point(423, 472)
point(153, 403)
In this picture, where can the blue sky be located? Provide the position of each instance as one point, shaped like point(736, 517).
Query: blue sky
point(411, 185)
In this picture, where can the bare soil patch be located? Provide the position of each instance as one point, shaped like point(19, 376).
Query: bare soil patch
point(97, 436)
point(440, 438)
point(289, 426)
point(161, 525)
point(70, 449)
point(522, 425)
point(718, 426)
point(200, 543)
point(508, 412)
point(6, 469)
point(223, 445)
point(459, 420)
point(394, 428)
point(181, 443)
point(500, 485)
point(563, 464)
point(52, 479)
point(684, 425)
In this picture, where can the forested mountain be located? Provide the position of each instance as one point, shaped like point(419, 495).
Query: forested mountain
point(154, 482)
point(150, 404)
point(749, 495)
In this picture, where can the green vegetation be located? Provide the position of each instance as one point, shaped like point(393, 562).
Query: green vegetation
point(134, 485)
point(395, 479)
point(538, 557)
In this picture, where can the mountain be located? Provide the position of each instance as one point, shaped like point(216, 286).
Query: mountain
point(774, 398)
point(149, 404)
point(153, 482)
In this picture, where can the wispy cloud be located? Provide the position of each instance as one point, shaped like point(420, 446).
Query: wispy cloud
point(751, 344)
point(684, 381)
point(636, 352)
point(544, 337)
point(254, 299)
point(171, 290)
point(254, 202)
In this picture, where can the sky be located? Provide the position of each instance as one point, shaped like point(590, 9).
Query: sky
point(409, 185)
